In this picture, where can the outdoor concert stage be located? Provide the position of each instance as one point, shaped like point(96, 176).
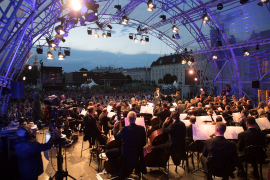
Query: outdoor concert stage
point(79, 168)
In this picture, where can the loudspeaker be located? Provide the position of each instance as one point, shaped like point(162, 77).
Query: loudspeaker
point(17, 89)
point(255, 84)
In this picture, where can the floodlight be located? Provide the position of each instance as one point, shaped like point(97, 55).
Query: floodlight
point(201, 89)
point(118, 7)
point(196, 79)
point(214, 57)
point(76, 5)
point(125, 20)
point(163, 17)
point(131, 36)
point(29, 67)
point(220, 6)
point(246, 53)
point(60, 30)
point(109, 26)
point(189, 62)
point(175, 29)
point(109, 34)
point(24, 78)
point(146, 38)
point(39, 50)
point(262, 1)
point(136, 40)
point(99, 24)
point(67, 52)
point(104, 35)
point(176, 36)
point(96, 35)
point(89, 31)
point(49, 55)
point(142, 41)
point(190, 72)
point(61, 56)
point(184, 61)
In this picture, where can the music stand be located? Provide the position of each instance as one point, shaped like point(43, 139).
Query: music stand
point(60, 173)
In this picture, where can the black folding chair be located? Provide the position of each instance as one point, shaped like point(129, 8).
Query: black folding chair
point(219, 167)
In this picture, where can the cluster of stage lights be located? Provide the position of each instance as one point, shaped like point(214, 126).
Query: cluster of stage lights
point(50, 55)
point(191, 72)
point(143, 40)
point(105, 34)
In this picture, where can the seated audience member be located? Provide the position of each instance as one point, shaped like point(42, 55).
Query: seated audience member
point(219, 147)
point(252, 136)
point(200, 111)
point(189, 134)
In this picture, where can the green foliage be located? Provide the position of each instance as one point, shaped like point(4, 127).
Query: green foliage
point(160, 81)
point(83, 69)
point(97, 87)
point(37, 111)
point(168, 79)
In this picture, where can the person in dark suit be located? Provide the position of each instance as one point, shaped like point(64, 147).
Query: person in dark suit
point(134, 109)
point(105, 121)
point(189, 133)
point(219, 147)
point(162, 115)
point(249, 105)
point(200, 111)
point(242, 123)
point(157, 96)
point(90, 128)
point(181, 107)
point(252, 136)
point(177, 96)
point(98, 109)
point(134, 139)
point(176, 143)
point(227, 115)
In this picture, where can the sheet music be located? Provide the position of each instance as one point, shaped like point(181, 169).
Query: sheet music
point(202, 132)
point(109, 108)
point(263, 123)
point(232, 132)
point(191, 107)
point(174, 104)
point(236, 116)
point(182, 116)
point(207, 105)
point(215, 118)
point(47, 138)
point(220, 109)
point(146, 110)
point(200, 120)
point(172, 109)
point(83, 112)
point(186, 122)
point(150, 105)
point(139, 121)
point(110, 114)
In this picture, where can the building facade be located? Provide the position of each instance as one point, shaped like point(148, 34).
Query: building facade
point(140, 74)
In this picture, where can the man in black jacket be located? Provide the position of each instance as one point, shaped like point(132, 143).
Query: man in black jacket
point(189, 132)
point(227, 115)
point(105, 121)
point(219, 147)
point(163, 114)
point(181, 107)
point(134, 139)
point(176, 143)
point(157, 96)
point(29, 153)
point(200, 111)
point(252, 136)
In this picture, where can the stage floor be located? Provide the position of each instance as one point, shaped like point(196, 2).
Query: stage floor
point(79, 168)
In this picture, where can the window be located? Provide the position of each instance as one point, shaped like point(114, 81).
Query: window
point(84, 74)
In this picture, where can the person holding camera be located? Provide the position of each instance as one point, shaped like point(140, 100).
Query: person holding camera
point(29, 152)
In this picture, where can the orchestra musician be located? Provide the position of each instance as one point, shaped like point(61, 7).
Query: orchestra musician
point(189, 132)
point(177, 96)
point(176, 143)
point(105, 121)
point(162, 115)
point(134, 139)
point(199, 111)
point(157, 96)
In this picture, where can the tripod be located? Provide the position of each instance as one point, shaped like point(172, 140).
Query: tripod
point(60, 173)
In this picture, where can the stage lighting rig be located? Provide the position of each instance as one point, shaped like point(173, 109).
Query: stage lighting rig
point(39, 50)
point(50, 55)
point(142, 41)
point(175, 29)
point(109, 34)
point(184, 61)
point(109, 26)
point(205, 18)
point(96, 35)
point(67, 51)
point(146, 38)
point(60, 30)
point(89, 31)
point(130, 36)
point(220, 6)
point(150, 5)
point(262, 1)
point(75, 4)
point(125, 20)
point(176, 36)
point(136, 40)
point(246, 53)
point(163, 17)
point(61, 56)
point(104, 35)
point(51, 44)
point(214, 57)
point(118, 7)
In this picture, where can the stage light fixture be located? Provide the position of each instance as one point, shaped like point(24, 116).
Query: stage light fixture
point(243, 1)
point(109, 34)
point(262, 1)
point(136, 40)
point(39, 50)
point(60, 30)
point(89, 31)
point(185, 50)
point(29, 67)
point(246, 53)
point(76, 5)
point(201, 89)
point(92, 6)
point(52, 49)
point(61, 56)
point(150, 5)
point(214, 57)
point(205, 18)
point(220, 6)
point(189, 62)
point(104, 35)
point(176, 36)
point(50, 55)
point(146, 38)
point(196, 79)
point(67, 52)
point(184, 61)
point(191, 72)
point(163, 17)
point(99, 24)
point(118, 7)
point(142, 41)
point(109, 26)
point(96, 35)
point(24, 78)
point(125, 20)
point(175, 29)
point(130, 36)
point(90, 17)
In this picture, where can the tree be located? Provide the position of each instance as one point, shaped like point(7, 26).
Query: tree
point(83, 69)
point(160, 81)
point(168, 79)
point(128, 78)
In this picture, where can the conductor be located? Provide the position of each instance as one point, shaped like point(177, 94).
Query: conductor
point(157, 96)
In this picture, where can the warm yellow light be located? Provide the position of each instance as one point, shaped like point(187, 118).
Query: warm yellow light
point(76, 5)
point(190, 72)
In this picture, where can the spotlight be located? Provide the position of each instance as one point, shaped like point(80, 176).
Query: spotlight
point(52, 49)
point(214, 57)
point(39, 50)
point(150, 5)
point(60, 37)
point(243, 1)
point(196, 79)
point(205, 18)
point(104, 35)
point(246, 53)
point(146, 38)
point(175, 29)
point(136, 40)
point(163, 17)
point(118, 7)
point(60, 30)
point(189, 62)
point(142, 41)
point(190, 72)
point(29, 67)
point(49, 55)
point(131, 36)
point(92, 6)
point(125, 20)
point(91, 17)
point(201, 89)
point(262, 1)
point(109, 26)
point(220, 6)
point(185, 50)
point(67, 52)
point(99, 24)
point(61, 56)
point(89, 31)
point(96, 35)
point(257, 47)
point(109, 34)
point(76, 5)
point(176, 36)
point(24, 78)
point(184, 61)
